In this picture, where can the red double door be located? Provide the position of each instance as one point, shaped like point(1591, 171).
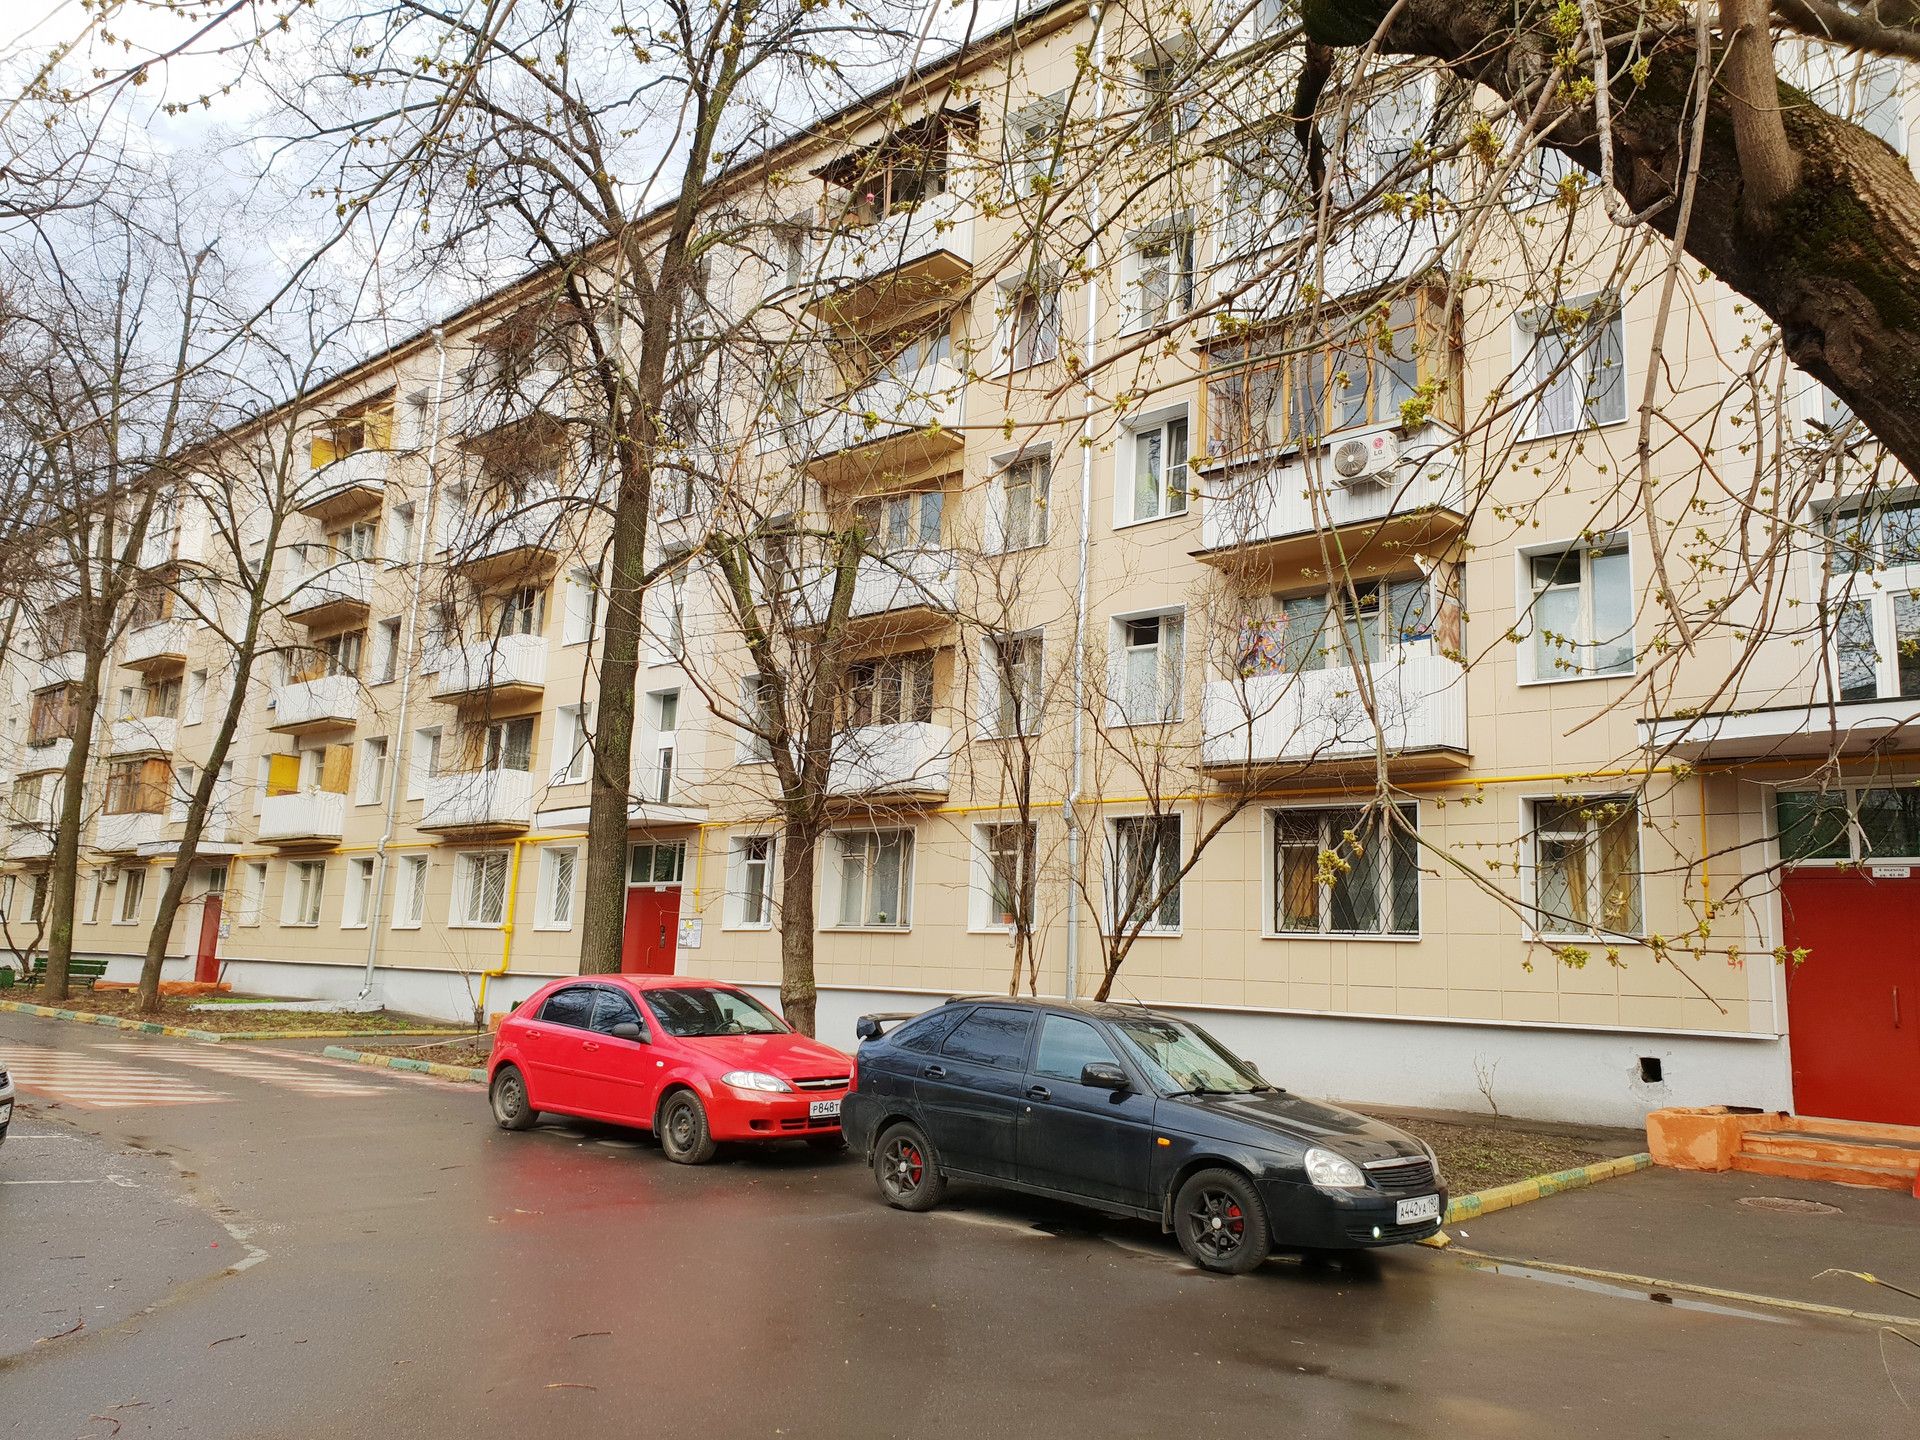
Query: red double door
point(1853, 1008)
point(653, 930)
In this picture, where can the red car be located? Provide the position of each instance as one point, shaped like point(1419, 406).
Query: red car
point(694, 1061)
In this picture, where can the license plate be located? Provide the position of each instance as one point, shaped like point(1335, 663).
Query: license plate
point(6, 1111)
point(823, 1110)
point(1412, 1212)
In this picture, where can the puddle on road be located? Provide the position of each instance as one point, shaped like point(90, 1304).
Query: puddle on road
point(1622, 1292)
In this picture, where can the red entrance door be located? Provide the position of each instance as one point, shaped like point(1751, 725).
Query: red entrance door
point(653, 930)
point(1853, 1009)
point(206, 961)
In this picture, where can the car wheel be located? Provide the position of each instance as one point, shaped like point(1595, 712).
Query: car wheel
point(903, 1166)
point(683, 1129)
point(1221, 1223)
point(508, 1093)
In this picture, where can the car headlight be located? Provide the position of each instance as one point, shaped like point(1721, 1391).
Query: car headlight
point(1334, 1172)
point(755, 1080)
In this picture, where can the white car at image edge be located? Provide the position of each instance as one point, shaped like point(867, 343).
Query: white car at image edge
point(6, 1105)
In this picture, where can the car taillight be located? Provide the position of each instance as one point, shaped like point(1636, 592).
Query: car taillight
point(853, 1076)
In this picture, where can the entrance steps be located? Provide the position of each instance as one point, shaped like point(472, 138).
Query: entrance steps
point(1794, 1147)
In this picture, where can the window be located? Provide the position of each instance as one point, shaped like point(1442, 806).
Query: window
point(180, 793)
point(364, 425)
point(875, 869)
point(96, 889)
point(1581, 612)
point(53, 715)
point(306, 881)
point(1369, 886)
point(572, 1007)
point(901, 522)
point(1031, 322)
point(425, 762)
point(890, 690)
point(1853, 826)
point(667, 601)
point(386, 651)
point(1875, 550)
point(410, 893)
point(1332, 628)
point(441, 635)
point(1068, 1046)
point(1004, 876)
point(138, 787)
point(1264, 197)
point(480, 888)
point(194, 703)
point(1574, 367)
point(1011, 679)
point(508, 744)
point(519, 612)
point(1289, 388)
point(1032, 135)
point(1020, 496)
point(1586, 865)
point(160, 699)
point(557, 866)
point(750, 882)
point(1159, 472)
point(611, 1008)
point(354, 542)
point(993, 1035)
point(898, 173)
point(1163, 115)
point(400, 534)
point(340, 654)
point(373, 771)
point(659, 862)
point(572, 749)
point(663, 719)
point(1160, 266)
point(133, 890)
point(757, 718)
point(1147, 670)
point(582, 596)
point(358, 901)
point(253, 893)
point(1145, 874)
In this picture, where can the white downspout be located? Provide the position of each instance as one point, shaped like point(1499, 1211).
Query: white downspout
point(1089, 404)
point(400, 757)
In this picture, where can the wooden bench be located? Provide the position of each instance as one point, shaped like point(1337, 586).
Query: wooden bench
point(80, 973)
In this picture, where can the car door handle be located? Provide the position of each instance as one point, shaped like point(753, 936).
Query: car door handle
point(934, 1072)
point(589, 1044)
point(1039, 1092)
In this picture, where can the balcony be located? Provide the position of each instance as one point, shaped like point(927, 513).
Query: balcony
point(909, 762)
point(26, 845)
point(510, 669)
point(142, 735)
point(125, 834)
point(494, 802)
point(159, 646)
point(880, 271)
point(1257, 516)
point(65, 668)
point(349, 487)
point(303, 817)
point(341, 594)
point(522, 542)
point(1316, 717)
point(326, 702)
point(907, 591)
point(897, 425)
point(1797, 732)
point(496, 402)
point(43, 758)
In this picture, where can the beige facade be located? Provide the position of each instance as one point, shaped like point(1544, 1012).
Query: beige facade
point(410, 805)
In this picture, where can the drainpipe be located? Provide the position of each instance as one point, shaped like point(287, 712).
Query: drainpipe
point(399, 759)
point(506, 936)
point(1089, 403)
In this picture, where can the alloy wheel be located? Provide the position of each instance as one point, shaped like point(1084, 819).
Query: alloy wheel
point(903, 1166)
point(1215, 1224)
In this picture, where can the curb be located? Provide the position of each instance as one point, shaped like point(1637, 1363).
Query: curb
point(401, 1062)
point(210, 1037)
point(1537, 1187)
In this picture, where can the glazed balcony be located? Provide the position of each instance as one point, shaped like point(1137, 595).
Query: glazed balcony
point(1266, 721)
point(340, 594)
point(125, 834)
point(896, 424)
point(303, 817)
point(142, 735)
point(512, 668)
point(478, 802)
point(326, 702)
point(874, 272)
point(910, 762)
point(159, 646)
point(347, 488)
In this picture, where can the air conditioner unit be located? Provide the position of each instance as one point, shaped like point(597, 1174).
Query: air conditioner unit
point(1366, 459)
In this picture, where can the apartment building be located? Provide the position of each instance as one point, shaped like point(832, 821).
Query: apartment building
point(1095, 639)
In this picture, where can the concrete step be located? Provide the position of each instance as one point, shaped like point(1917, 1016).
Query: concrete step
point(1884, 1168)
point(1879, 1132)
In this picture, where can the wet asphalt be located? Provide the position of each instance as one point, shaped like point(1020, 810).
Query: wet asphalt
point(283, 1263)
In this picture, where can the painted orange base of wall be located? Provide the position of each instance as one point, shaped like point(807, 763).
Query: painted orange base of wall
point(171, 987)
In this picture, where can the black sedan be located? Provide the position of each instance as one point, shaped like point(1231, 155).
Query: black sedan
point(1133, 1112)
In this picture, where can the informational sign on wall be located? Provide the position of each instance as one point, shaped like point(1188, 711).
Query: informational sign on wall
point(689, 934)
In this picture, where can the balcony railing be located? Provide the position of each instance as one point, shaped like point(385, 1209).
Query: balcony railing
point(125, 834)
point(909, 257)
point(157, 645)
point(351, 485)
point(894, 422)
point(342, 591)
point(909, 760)
point(512, 664)
point(39, 759)
point(494, 402)
point(29, 844)
point(471, 800)
point(911, 580)
point(525, 538)
point(329, 700)
point(64, 668)
point(303, 817)
point(1317, 715)
point(143, 735)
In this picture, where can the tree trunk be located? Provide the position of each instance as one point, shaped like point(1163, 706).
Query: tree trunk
point(799, 996)
point(603, 923)
point(64, 866)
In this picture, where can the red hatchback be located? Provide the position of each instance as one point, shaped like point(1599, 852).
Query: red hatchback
point(694, 1061)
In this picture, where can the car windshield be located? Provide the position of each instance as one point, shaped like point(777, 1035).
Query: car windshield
point(690, 1011)
point(1184, 1057)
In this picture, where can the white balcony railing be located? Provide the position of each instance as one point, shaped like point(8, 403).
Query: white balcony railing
point(494, 401)
point(930, 402)
point(343, 583)
point(40, 759)
point(883, 585)
point(481, 539)
point(359, 478)
point(1318, 715)
point(303, 815)
point(25, 844)
point(124, 834)
point(912, 758)
point(511, 662)
point(478, 800)
point(940, 223)
point(327, 700)
point(143, 735)
point(153, 644)
point(62, 669)
point(1244, 504)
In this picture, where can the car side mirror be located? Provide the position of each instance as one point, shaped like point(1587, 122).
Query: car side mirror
point(627, 1030)
point(1103, 1076)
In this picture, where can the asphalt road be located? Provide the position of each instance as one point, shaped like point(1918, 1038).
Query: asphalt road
point(311, 1251)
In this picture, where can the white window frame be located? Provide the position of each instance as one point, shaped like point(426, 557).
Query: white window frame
point(556, 900)
point(1171, 667)
point(1529, 667)
point(839, 859)
point(133, 887)
point(370, 771)
point(304, 895)
point(193, 704)
point(253, 893)
point(1173, 492)
point(96, 889)
point(995, 679)
point(400, 534)
point(386, 651)
point(580, 606)
point(1118, 924)
point(410, 893)
point(750, 748)
point(423, 759)
point(1534, 917)
point(470, 868)
point(1033, 471)
point(740, 860)
point(180, 787)
point(1534, 371)
point(981, 919)
point(1174, 235)
point(572, 758)
point(356, 905)
point(1270, 899)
